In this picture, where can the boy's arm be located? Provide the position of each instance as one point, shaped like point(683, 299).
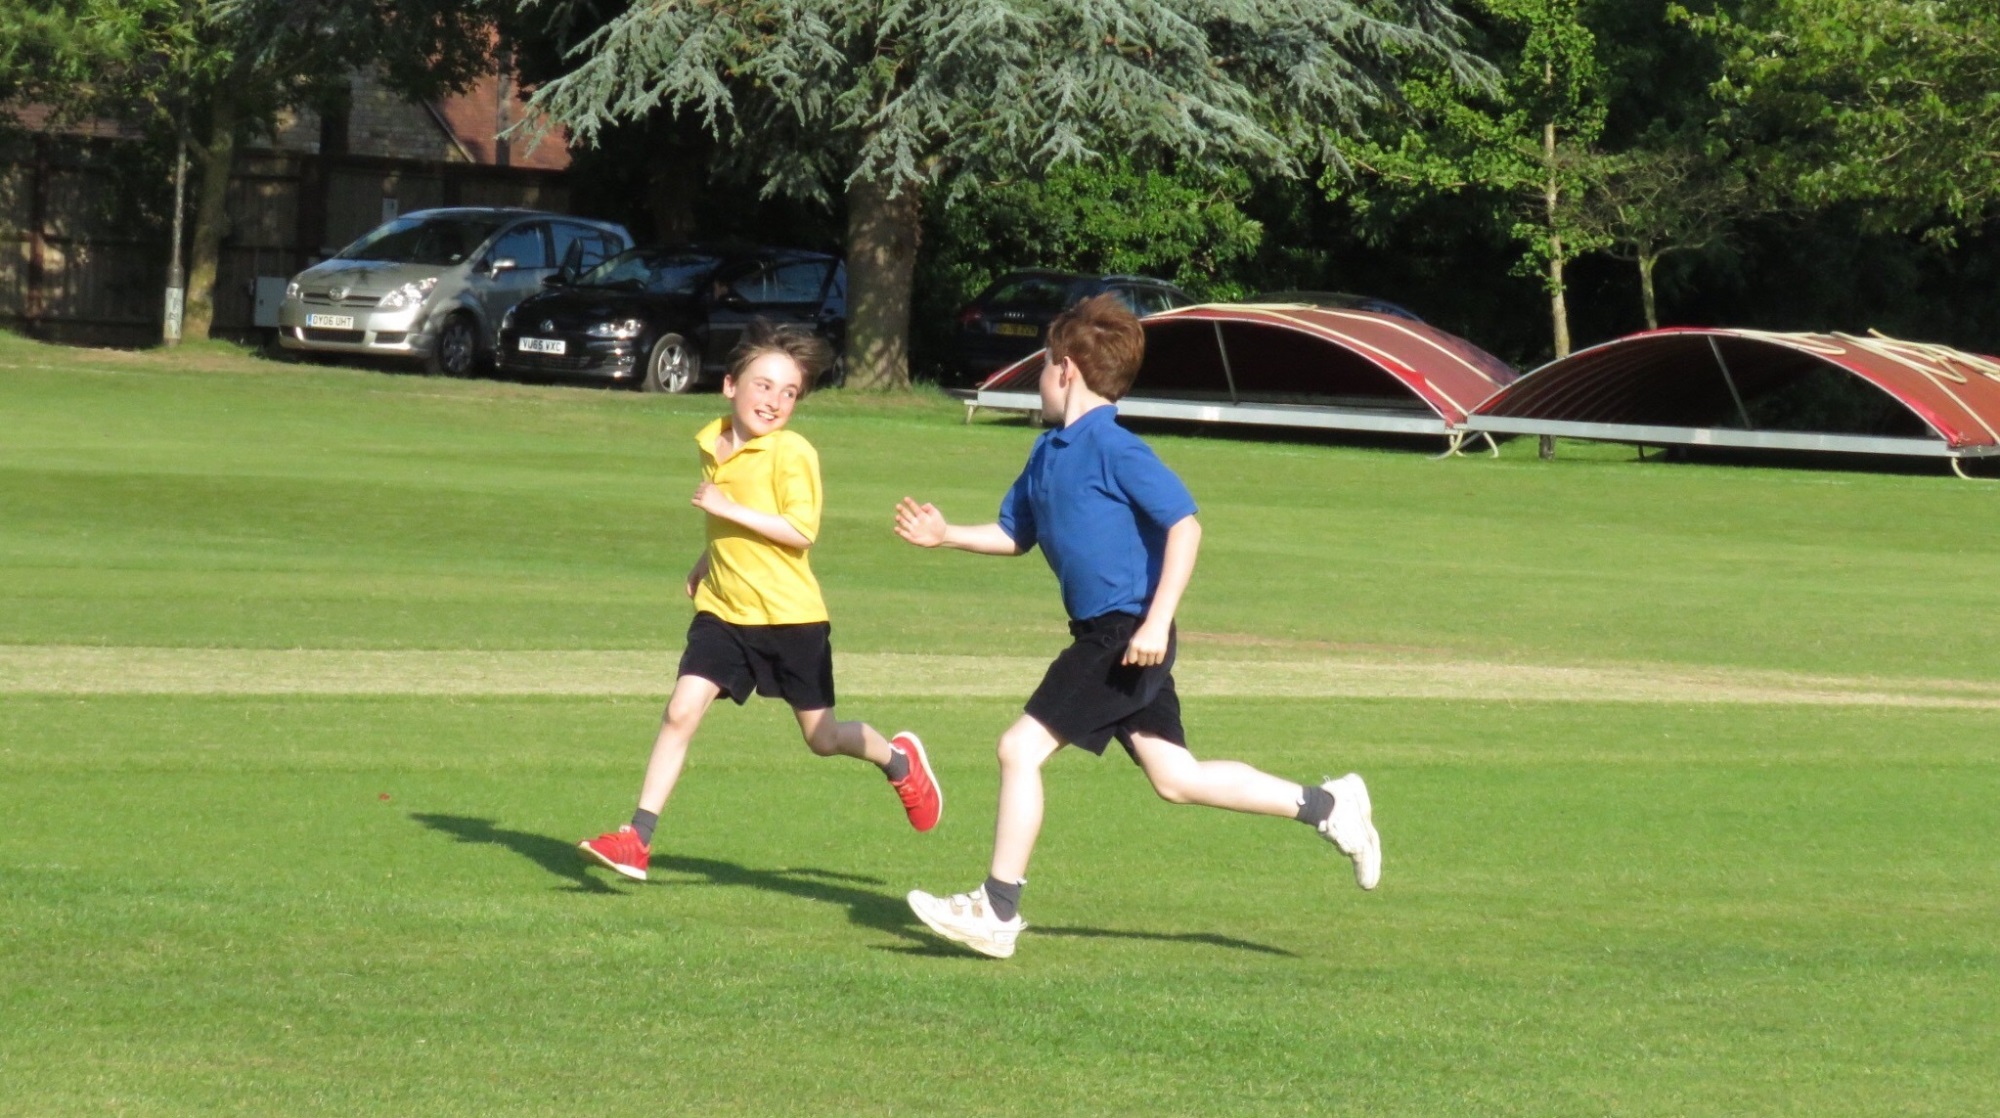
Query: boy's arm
point(1148, 645)
point(925, 526)
point(709, 498)
point(698, 572)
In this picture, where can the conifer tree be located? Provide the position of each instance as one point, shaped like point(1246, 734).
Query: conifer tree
point(899, 104)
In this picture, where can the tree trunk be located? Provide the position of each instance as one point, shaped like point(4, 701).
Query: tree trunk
point(674, 182)
point(1647, 262)
point(211, 218)
point(1559, 312)
point(882, 234)
point(1551, 200)
point(1558, 301)
point(1558, 306)
point(677, 173)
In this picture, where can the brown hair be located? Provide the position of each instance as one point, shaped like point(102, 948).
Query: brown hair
point(808, 351)
point(1103, 337)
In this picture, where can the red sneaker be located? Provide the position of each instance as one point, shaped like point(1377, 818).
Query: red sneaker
point(620, 850)
point(919, 790)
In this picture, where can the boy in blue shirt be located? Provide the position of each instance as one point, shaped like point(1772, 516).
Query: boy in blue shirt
point(1119, 530)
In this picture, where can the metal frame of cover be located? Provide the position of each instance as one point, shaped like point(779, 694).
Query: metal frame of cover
point(1702, 387)
point(1288, 365)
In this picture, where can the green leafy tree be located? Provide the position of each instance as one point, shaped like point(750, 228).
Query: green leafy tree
point(77, 57)
point(896, 104)
point(1179, 223)
point(1890, 104)
point(1651, 203)
point(1527, 146)
point(1110, 216)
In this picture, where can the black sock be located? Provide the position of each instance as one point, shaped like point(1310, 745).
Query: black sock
point(899, 764)
point(1315, 804)
point(644, 821)
point(1005, 897)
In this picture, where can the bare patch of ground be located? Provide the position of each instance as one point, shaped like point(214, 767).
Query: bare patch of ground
point(79, 670)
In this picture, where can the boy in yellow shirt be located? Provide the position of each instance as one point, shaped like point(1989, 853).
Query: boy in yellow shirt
point(760, 622)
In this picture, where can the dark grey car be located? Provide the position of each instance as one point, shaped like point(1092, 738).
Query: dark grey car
point(433, 285)
point(1010, 319)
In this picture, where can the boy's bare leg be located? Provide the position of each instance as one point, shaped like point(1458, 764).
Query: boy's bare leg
point(1181, 779)
point(1339, 809)
point(690, 701)
point(1024, 748)
point(988, 919)
point(829, 737)
point(903, 762)
point(627, 850)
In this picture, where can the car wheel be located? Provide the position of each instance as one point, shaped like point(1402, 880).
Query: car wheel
point(670, 368)
point(456, 353)
point(836, 373)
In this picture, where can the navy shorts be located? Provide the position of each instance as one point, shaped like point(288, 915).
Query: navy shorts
point(789, 662)
point(1087, 697)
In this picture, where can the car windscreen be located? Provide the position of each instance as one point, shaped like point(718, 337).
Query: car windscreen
point(657, 273)
point(414, 240)
point(1028, 293)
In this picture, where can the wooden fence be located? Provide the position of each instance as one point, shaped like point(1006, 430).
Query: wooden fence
point(66, 275)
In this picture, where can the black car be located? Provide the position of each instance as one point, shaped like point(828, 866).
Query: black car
point(1338, 301)
point(1010, 319)
point(666, 319)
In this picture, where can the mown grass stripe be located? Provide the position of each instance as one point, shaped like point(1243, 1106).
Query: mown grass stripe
point(81, 670)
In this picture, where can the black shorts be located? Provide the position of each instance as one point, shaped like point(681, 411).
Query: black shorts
point(789, 662)
point(1087, 697)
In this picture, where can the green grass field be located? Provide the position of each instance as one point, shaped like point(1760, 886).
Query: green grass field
point(268, 846)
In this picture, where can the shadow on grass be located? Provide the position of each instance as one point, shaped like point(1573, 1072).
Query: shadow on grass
point(866, 907)
point(1207, 938)
point(554, 855)
point(884, 912)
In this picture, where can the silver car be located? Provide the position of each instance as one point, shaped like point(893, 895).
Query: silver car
point(433, 284)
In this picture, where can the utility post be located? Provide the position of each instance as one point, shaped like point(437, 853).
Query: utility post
point(176, 278)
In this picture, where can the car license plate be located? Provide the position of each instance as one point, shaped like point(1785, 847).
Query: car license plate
point(543, 345)
point(331, 321)
point(1015, 329)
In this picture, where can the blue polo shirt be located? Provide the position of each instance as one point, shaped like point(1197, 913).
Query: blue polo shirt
point(1099, 502)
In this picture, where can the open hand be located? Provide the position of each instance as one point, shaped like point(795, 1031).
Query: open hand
point(922, 525)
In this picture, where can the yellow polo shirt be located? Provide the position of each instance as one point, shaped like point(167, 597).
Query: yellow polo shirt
point(751, 580)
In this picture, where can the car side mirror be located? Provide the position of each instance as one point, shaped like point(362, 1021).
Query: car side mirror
point(504, 264)
point(558, 278)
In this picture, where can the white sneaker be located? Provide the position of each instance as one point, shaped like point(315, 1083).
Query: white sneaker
point(1351, 828)
point(966, 918)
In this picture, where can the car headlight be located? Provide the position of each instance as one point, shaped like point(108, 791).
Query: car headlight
point(408, 295)
point(292, 290)
point(629, 328)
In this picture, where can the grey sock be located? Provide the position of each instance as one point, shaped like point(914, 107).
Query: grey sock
point(644, 821)
point(1005, 897)
point(899, 764)
point(1315, 804)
